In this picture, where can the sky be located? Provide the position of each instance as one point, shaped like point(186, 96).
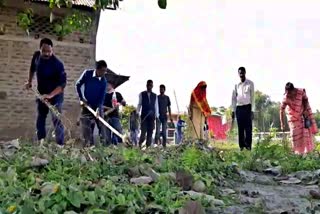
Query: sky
point(276, 41)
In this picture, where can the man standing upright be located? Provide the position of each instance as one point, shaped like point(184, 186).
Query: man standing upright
point(164, 108)
point(243, 108)
point(112, 101)
point(95, 85)
point(148, 104)
point(51, 79)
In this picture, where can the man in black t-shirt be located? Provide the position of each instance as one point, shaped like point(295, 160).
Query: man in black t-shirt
point(164, 107)
point(112, 102)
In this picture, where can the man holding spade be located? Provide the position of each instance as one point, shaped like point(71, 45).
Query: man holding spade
point(95, 85)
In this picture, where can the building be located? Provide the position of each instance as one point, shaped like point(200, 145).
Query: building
point(77, 50)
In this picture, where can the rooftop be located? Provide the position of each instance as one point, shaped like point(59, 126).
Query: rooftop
point(83, 3)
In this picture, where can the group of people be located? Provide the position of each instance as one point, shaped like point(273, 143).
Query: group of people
point(97, 93)
point(295, 104)
point(153, 110)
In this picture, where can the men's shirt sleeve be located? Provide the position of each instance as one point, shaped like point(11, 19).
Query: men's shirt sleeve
point(253, 106)
point(33, 61)
point(102, 94)
point(169, 102)
point(234, 99)
point(62, 75)
point(139, 103)
point(156, 106)
point(79, 83)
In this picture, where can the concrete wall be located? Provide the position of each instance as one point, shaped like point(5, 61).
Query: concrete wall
point(17, 107)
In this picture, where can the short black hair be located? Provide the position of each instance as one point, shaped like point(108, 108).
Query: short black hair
point(149, 82)
point(46, 41)
point(163, 86)
point(289, 86)
point(242, 69)
point(101, 64)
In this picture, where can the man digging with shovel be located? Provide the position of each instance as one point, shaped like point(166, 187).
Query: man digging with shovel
point(51, 79)
point(95, 85)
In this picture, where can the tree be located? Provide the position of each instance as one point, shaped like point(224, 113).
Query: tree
point(317, 117)
point(75, 21)
point(262, 116)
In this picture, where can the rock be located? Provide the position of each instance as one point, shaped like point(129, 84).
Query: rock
point(141, 180)
point(49, 188)
point(199, 186)
point(281, 178)
point(305, 176)
point(227, 191)
point(38, 162)
point(150, 173)
point(13, 144)
point(291, 181)
point(263, 179)
point(134, 172)
point(315, 194)
point(169, 175)
point(247, 176)
point(317, 172)
point(273, 203)
point(250, 193)
point(266, 164)
point(273, 170)
point(196, 195)
point(313, 182)
point(9, 152)
point(235, 168)
point(235, 209)
point(217, 202)
point(153, 208)
point(192, 207)
point(249, 200)
point(276, 198)
point(184, 179)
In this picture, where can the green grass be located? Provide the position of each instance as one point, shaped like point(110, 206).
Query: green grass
point(68, 184)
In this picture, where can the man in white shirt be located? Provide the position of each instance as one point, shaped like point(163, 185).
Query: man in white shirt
point(148, 104)
point(243, 108)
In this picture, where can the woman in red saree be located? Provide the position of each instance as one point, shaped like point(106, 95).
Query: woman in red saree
point(199, 110)
point(297, 108)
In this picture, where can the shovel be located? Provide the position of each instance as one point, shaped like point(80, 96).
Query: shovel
point(124, 139)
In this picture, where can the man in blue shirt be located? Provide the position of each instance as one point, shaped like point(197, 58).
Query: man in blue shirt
point(51, 79)
point(95, 85)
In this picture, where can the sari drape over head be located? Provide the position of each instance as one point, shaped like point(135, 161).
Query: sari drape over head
point(302, 138)
point(199, 109)
point(199, 97)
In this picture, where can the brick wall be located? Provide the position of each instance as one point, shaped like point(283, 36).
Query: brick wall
point(17, 107)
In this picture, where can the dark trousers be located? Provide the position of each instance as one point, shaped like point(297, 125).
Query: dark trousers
point(244, 119)
point(88, 122)
point(147, 127)
point(110, 136)
point(161, 122)
point(43, 111)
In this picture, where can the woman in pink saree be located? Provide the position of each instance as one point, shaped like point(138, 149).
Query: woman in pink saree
point(299, 115)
